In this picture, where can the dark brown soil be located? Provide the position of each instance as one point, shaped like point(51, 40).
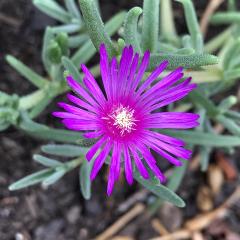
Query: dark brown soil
point(60, 212)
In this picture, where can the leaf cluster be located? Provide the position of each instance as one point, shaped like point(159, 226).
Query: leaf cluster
point(214, 65)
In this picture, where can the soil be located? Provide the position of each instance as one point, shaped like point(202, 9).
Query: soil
point(60, 212)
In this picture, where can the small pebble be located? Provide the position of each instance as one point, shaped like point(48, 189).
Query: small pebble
point(170, 216)
point(73, 214)
point(19, 236)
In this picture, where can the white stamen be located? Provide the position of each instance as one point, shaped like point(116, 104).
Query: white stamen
point(123, 119)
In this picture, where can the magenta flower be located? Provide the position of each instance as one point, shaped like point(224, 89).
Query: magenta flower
point(123, 116)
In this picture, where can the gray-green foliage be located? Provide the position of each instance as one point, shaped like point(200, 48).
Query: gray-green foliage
point(215, 65)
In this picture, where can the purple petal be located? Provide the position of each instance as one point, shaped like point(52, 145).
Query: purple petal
point(170, 158)
point(113, 78)
point(153, 76)
point(152, 163)
point(104, 68)
point(110, 184)
point(79, 90)
point(80, 125)
point(141, 168)
point(173, 116)
point(118, 161)
point(167, 81)
point(168, 93)
point(142, 69)
point(128, 166)
point(80, 103)
point(175, 125)
point(66, 115)
point(93, 92)
point(99, 161)
point(93, 134)
point(165, 138)
point(124, 67)
point(176, 96)
point(114, 169)
point(77, 111)
point(176, 151)
point(132, 72)
point(92, 85)
point(92, 151)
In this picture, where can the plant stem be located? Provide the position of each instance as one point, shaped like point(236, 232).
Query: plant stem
point(33, 99)
point(74, 163)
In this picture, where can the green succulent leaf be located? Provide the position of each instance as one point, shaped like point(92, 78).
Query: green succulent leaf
point(231, 54)
point(173, 184)
point(192, 24)
point(26, 72)
point(53, 9)
point(77, 41)
point(225, 18)
point(62, 40)
point(198, 98)
point(176, 177)
point(216, 42)
point(87, 50)
point(204, 139)
point(95, 26)
point(72, 69)
point(131, 28)
point(45, 161)
point(233, 115)
point(204, 157)
point(53, 134)
point(31, 179)
point(84, 178)
point(27, 124)
point(161, 191)
point(39, 108)
point(231, 5)
point(54, 52)
point(227, 103)
point(187, 61)
point(44, 132)
point(67, 28)
point(150, 28)
point(187, 41)
point(53, 178)
point(184, 51)
point(48, 37)
point(168, 30)
point(73, 9)
point(229, 124)
point(64, 150)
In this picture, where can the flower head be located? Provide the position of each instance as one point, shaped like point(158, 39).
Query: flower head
point(122, 117)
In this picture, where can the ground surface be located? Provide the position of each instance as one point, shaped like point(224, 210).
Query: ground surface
point(60, 212)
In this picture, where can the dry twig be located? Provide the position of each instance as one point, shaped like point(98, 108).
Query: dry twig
point(121, 222)
point(203, 220)
point(228, 169)
point(9, 20)
point(138, 196)
point(197, 236)
point(210, 9)
point(178, 235)
point(158, 227)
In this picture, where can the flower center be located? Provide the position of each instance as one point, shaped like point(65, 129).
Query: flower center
point(123, 119)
